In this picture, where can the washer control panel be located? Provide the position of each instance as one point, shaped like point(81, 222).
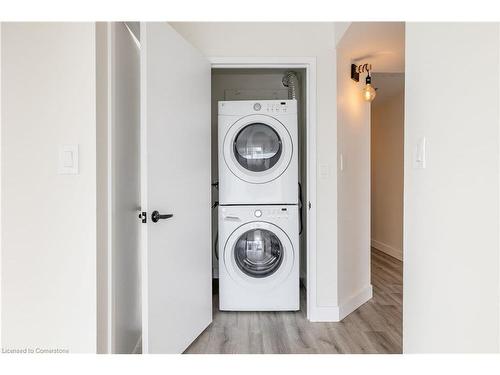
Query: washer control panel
point(272, 212)
point(242, 214)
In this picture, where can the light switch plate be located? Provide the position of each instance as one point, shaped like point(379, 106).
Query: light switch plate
point(324, 170)
point(68, 159)
point(419, 159)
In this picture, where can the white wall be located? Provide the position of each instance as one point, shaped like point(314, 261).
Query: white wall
point(49, 238)
point(451, 217)
point(353, 186)
point(303, 40)
point(387, 138)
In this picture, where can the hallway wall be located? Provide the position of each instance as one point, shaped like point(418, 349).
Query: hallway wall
point(387, 138)
point(451, 268)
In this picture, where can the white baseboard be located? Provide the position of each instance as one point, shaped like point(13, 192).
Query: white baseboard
point(324, 314)
point(138, 346)
point(337, 313)
point(389, 250)
point(355, 301)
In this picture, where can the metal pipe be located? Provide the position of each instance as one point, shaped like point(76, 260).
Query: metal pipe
point(291, 81)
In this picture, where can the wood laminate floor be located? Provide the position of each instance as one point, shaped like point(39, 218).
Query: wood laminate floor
point(376, 327)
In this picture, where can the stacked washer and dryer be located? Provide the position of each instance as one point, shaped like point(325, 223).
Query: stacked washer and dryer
point(258, 205)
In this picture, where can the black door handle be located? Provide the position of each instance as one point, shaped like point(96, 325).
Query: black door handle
point(155, 216)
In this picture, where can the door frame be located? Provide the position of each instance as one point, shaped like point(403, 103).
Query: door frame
point(309, 64)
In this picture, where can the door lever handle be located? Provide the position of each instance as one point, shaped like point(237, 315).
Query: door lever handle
point(155, 216)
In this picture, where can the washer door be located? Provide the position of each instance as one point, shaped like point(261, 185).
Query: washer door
point(259, 254)
point(257, 148)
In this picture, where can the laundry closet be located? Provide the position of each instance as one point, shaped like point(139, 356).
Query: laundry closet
point(259, 99)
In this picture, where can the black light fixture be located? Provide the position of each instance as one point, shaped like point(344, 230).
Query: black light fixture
point(368, 91)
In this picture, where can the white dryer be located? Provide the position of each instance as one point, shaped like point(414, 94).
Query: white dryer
point(258, 152)
point(258, 258)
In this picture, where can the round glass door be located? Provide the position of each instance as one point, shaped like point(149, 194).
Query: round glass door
point(257, 147)
point(258, 253)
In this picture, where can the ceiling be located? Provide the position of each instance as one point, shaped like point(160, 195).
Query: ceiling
point(380, 43)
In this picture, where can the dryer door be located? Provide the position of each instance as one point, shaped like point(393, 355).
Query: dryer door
point(258, 148)
point(259, 254)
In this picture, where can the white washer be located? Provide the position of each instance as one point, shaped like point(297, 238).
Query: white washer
point(259, 258)
point(258, 152)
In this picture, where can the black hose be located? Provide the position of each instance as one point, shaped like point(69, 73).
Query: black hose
point(301, 226)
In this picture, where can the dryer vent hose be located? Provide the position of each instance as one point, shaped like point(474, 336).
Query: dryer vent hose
point(291, 81)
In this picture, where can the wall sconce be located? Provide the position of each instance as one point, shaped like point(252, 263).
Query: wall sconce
point(368, 92)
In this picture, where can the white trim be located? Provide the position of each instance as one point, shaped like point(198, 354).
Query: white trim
point(387, 249)
point(355, 301)
point(314, 312)
point(311, 110)
point(322, 314)
point(337, 313)
point(264, 63)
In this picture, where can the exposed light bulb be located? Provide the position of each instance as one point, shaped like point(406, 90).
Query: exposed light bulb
point(368, 91)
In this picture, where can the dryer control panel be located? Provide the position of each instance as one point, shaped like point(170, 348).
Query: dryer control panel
point(276, 107)
point(272, 213)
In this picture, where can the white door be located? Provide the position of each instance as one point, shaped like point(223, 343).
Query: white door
point(175, 164)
